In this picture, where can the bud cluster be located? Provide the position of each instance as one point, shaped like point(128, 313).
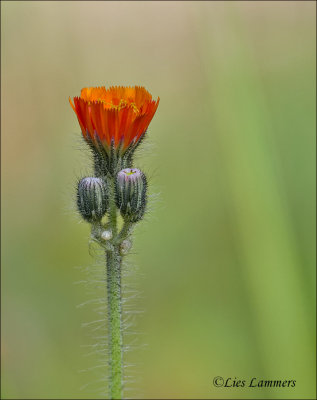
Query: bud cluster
point(130, 196)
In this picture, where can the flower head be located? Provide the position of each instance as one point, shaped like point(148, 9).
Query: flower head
point(115, 118)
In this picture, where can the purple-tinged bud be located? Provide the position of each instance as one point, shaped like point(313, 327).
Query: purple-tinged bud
point(92, 199)
point(125, 246)
point(131, 187)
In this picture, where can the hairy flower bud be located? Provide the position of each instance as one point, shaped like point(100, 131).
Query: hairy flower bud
point(92, 198)
point(106, 235)
point(125, 246)
point(131, 193)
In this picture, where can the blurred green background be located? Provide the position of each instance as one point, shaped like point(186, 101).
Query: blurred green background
point(226, 258)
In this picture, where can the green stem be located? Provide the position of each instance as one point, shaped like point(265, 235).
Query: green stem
point(114, 304)
point(112, 208)
point(114, 259)
point(114, 322)
point(125, 231)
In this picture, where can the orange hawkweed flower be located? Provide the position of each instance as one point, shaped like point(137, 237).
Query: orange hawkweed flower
point(115, 119)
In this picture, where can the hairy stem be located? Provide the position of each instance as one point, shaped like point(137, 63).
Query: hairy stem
point(114, 304)
point(125, 231)
point(114, 252)
point(114, 322)
point(112, 207)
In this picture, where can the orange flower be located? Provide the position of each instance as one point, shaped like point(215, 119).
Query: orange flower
point(117, 117)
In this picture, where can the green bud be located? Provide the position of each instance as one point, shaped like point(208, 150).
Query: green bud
point(92, 199)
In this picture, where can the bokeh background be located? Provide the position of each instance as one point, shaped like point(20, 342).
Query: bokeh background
point(226, 257)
